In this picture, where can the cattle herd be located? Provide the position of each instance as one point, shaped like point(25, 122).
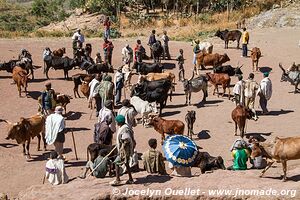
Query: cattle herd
point(154, 86)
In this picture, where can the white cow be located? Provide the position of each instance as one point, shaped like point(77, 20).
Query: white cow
point(143, 107)
point(204, 46)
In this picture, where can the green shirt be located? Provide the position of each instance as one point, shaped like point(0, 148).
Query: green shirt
point(240, 159)
point(101, 170)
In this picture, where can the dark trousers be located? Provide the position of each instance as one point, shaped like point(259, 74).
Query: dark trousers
point(263, 103)
point(98, 104)
point(118, 95)
point(181, 73)
point(166, 53)
point(245, 50)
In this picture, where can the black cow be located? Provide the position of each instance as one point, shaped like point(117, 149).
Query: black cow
point(64, 63)
point(227, 35)
point(145, 68)
point(157, 51)
point(8, 66)
point(154, 91)
point(77, 80)
point(228, 69)
point(207, 162)
point(99, 68)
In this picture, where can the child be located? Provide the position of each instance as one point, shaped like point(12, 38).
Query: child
point(55, 170)
point(98, 59)
point(240, 156)
point(180, 60)
point(153, 159)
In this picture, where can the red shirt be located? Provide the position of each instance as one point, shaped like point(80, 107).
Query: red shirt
point(106, 25)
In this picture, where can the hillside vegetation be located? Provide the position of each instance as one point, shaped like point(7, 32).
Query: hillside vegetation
point(185, 18)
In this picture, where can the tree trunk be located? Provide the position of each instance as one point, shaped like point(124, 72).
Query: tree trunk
point(228, 10)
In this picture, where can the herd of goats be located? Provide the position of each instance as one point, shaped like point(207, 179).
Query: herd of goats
point(155, 84)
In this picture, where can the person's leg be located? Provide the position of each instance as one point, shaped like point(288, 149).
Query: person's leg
point(168, 53)
point(263, 104)
point(130, 179)
point(117, 173)
point(246, 50)
point(118, 96)
point(98, 105)
point(59, 149)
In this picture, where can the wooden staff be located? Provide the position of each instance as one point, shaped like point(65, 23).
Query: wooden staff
point(74, 144)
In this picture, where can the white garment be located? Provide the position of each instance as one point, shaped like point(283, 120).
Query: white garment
point(127, 55)
point(117, 78)
point(80, 37)
point(165, 39)
point(55, 123)
point(59, 176)
point(266, 88)
point(93, 84)
point(124, 132)
point(104, 112)
point(238, 88)
point(129, 114)
point(251, 88)
point(127, 73)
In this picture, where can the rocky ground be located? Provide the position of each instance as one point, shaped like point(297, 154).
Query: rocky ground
point(22, 178)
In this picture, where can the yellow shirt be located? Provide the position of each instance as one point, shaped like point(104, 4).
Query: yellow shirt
point(245, 37)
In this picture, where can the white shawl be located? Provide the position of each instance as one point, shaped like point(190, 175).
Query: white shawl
point(266, 88)
point(55, 123)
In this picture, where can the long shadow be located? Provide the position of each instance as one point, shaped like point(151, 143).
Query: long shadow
point(5, 77)
point(265, 69)
point(167, 114)
point(74, 115)
point(38, 80)
point(203, 135)
point(295, 178)
point(67, 150)
point(77, 129)
point(176, 106)
point(152, 179)
point(276, 112)
point(177, 94)
point(42, 157)
point(34, 94)
point(8, 145)
point(258, 136)
point(75, 163)
point(208, 103)
point(169, 65)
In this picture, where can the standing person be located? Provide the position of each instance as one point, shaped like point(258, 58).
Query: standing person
point(47, 100)
point(98, 59)
point(55, 170)
point(245, 41)
point(75, 46)
point(107, 50)
point(251, 88)
point(107, 25)
point(119, 84)
point(105, 112)
point(129, 112)
point(93, 85)
point(127, 55)
point(180, 60)
point(265, 92)
point(151, 41)
point(103, 134)
point(196, 50)
point(105, 89)
point(125, 145)
point(240, 155)
point(55, 130)
point(165, 39)
point(80, 36)
point(153, 159)
point(238, 91)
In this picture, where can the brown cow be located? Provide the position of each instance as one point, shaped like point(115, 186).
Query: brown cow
point(26, 129)
point(227, 35)
point(219, 79)
point(63, 100)
point(164, 126)
point(215, 59)
point(280, 150)
point(255, 56)
point(59, 52)
point(20, 77)
point(239, 115)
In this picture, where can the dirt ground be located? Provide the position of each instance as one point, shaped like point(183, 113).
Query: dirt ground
point(214, 123)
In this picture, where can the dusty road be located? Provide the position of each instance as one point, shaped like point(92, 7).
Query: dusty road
point(214, 124)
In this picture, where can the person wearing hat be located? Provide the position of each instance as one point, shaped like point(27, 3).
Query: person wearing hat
point(238, 91)
point(106, 111)
point(107, 50)
point(129, 112)
point(80, 36)
point(118, 84)
point(180, 60)
point(55, 130)
point(265, 92)
point(127, 55)
point(165, 39)
point(240, 155)
point(47, 100)
point(125, 145)
point(151, 41)
point(251, 88)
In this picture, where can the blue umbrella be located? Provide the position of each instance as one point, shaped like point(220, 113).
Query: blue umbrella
point(180, 150)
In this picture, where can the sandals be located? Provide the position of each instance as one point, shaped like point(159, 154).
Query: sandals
point(115, 183)
point(129, 182)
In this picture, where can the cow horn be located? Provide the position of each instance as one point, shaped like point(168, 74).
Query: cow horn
point(28, 74)
point(6, 121)
point(280, 65)
point(241, 66)
point(192, 76)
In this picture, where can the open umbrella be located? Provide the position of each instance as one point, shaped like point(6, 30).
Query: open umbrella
point(180, 150)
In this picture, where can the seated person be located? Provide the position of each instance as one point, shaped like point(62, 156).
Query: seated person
point(257, 161)
point(102, 169)
point(98, 59)
point(180, 170)
point(240, 156)
point(153, 160)
point(55, 170)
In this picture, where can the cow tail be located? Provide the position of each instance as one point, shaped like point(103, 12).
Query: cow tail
point(171, 95)
point(87, 154)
